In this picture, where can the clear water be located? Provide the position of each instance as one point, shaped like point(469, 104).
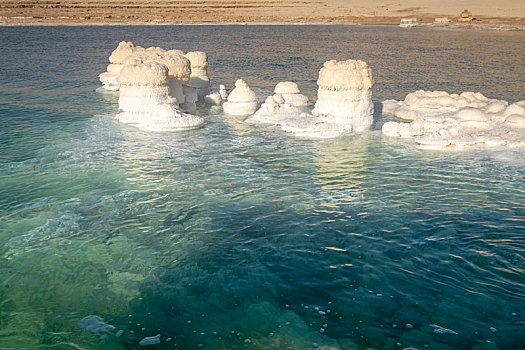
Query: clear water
point(235, 236)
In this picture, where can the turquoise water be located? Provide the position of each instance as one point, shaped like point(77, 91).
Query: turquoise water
point(235, 236)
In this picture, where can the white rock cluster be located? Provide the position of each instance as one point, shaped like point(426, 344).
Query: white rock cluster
point(242, 101)
point(344, 103)
point(151, 87)
point(442, 121)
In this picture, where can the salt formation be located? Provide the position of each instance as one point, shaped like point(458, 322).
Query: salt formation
point(408, 22)
point(291, 94)
point(179, 68)
point(116, 59)
point(442, 20)
point(439, 120)
point(199, 76)
point(217, 97)
point(345, 93)
point(242, 100)
point(146, 102)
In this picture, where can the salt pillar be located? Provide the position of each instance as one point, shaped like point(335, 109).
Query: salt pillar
point(345, 94)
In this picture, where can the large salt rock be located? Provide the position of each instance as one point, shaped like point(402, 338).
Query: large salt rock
point(439, 120)
point(145, 99)
point(199, 76)
point(291, 94)
point(345, 93)
point(116, 59)
point(242, 100)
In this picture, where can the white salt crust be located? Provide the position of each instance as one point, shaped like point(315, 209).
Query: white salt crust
point(438, 120)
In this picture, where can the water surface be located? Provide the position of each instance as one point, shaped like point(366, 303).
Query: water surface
point(236, 236)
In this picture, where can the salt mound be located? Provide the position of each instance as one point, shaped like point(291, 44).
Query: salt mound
point(291, 94)
point(199, 76)
point(116, 59)
point(146, 102)
point(440, 120)
point(274, 110)
point(242, 100)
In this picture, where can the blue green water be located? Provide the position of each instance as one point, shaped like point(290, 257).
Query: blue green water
point(236, 236)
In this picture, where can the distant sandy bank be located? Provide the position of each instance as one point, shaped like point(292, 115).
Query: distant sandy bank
point(509, 13)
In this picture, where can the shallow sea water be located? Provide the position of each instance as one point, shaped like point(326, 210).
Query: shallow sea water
point(236, 236)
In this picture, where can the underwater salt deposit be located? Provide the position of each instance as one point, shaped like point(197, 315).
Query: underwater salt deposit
point(237, 235)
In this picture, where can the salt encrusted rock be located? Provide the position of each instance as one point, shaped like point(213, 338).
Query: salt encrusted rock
point(242, 100)
point(145, 99)
point(116, 59)
point(345, 94)
point(199, 76)
point(440, 120)
point(291, 94)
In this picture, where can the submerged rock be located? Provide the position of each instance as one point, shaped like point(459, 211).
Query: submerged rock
point(94, 324)
point(150, 340)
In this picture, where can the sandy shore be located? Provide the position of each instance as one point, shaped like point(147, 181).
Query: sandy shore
point(99, 12)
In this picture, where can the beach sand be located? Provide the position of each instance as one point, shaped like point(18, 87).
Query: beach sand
point(41, 12)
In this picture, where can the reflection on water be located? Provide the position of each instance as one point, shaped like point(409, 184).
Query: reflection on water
point(238, 236)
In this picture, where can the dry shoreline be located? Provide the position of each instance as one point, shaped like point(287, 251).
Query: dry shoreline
point(52, 22)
